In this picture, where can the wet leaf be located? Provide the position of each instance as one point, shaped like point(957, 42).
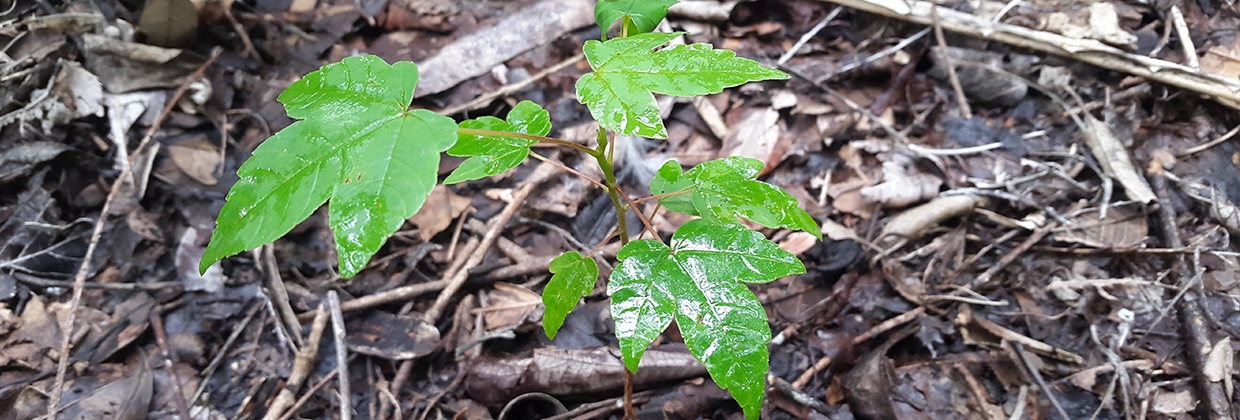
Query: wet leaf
point(627, 73)
point(573, 277)
point(357, 144)
point(724, 189)
point(700, 281)
point(637, 16)
point(494, 155)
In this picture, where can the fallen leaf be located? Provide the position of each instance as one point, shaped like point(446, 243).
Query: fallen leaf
point(755, 137)
point(198, 158)
point(1174, 402)
point(1124, 227)
point(509, 305)
point(141, 223)
point(1222, 60)
point(1219, 361)
point(441, 208)
point(169, 23)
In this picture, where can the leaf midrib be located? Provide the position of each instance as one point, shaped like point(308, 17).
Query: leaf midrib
point(334, 152)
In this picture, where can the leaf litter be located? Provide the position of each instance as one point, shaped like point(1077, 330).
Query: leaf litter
point(1035, 241)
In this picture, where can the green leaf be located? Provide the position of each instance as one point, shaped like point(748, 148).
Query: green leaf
point(626, 73)
point(573, 277)
point(698, 280)
point(725, 188)
point(357, 144)
point(639, 16)
point(494, 155)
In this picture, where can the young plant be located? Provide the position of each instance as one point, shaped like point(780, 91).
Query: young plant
point(357, 145)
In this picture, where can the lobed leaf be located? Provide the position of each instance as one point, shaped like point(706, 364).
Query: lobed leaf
point(723, 189)
point(573, 277)
point(494, 155)
point(627, 73)
point(356, 144)
point(638, 16)
point(700, 281)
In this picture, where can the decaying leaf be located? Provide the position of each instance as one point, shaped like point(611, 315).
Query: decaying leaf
point(901, 191)
point(198, 158)
point(1101, 24)
point(510, 305)
point(582, 373)
point(393, 337)
point(169, 23)
point(1219, 362)
point(1115, 160)
point(1223, 60)
point(755, 137)
point(1124, 227)
point(441, 208)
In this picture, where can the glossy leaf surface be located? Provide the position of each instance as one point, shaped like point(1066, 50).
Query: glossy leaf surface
point(494, 155)
point(357, 144)
point(573, 277)
point(628, 71)
point(700, 282)
point(724, 189)
point(640, 16)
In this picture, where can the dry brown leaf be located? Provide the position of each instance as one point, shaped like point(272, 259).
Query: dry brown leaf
point(1174, 402)
point(902, 191)
point(1219, 362)
point(1124, 227)
point(510, 304)
point(169, 23)
point(798, 242)
point(441, 208)
point(198, 158)
point(124, 399)
point(299, 6)
point(846, 197)
point(141, 223)
point(754, 137)
point(1222, 60)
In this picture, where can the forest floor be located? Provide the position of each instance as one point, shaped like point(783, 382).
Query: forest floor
point(1027, 212)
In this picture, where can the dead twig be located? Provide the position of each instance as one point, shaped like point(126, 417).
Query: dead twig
point(541, 174)
point(79, 279)
point(1209, 144)
point(1193, 324)
point(797, 395)
point(961, 100)
point(303, 365)
point(223, 351)
point(309, 393)
point(509, 89)
point(452, 282)
point(1015, 253)
point(1089, 51)
point(1024, 359)
point(161, 340)
point(342, 355)
point(808, 35)
point(280, 294)
point(1186, 39)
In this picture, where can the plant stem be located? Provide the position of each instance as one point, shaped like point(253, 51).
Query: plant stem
point(662, 196)
point(648, 226)
point(609, 178)
point(568, 169)
point(604, 157)
point(541, 139)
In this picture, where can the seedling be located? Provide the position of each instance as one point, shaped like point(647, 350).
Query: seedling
point(357, 145)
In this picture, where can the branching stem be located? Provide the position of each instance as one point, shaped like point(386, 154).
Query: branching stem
point(662, 196)
point(569, 170)
point(540, 139)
